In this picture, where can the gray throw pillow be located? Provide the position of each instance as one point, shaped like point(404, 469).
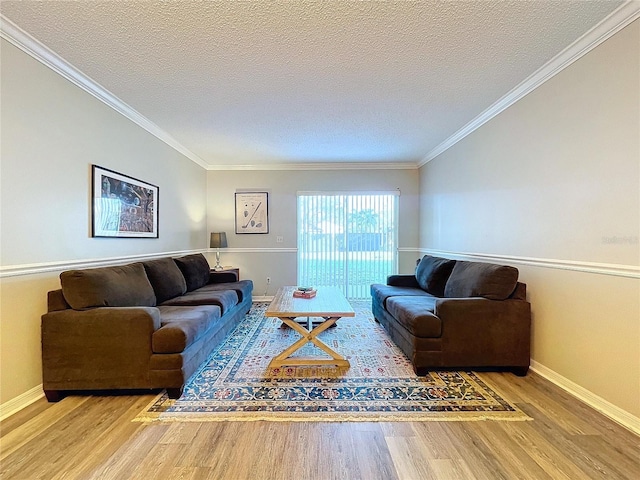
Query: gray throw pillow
point(195, 270)
point(119, 286)
point(432, 274)
point(166, 279)
point(477, 279)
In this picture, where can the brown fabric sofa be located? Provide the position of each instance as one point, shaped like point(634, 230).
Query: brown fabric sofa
point(145, 325)
point(457, 314)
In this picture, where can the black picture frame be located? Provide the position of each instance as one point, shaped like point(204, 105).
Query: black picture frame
point(123, 206)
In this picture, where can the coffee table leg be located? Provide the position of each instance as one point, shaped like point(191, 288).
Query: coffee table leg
point(309, 322)
point(309, 336)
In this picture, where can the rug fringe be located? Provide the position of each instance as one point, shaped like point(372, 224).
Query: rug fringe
point(331, 417)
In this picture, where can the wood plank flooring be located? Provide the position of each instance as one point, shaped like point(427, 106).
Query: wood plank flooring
point(93, 437)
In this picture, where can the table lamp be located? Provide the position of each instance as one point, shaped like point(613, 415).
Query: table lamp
point(218, 241)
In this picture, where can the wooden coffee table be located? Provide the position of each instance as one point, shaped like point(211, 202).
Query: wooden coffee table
point(328, 304)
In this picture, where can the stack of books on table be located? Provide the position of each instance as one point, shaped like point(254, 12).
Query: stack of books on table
point(304, 292)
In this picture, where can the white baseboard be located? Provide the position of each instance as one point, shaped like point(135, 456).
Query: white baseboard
point(262, 298)
point(21, 401)
point(617, 414)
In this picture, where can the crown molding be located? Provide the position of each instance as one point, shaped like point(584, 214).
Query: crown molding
point(34, 48)
point(321, 166)
point(612, 24)
point(31, 46)
point(617, 20)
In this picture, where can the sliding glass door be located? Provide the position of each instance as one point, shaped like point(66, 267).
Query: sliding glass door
point(348, 240)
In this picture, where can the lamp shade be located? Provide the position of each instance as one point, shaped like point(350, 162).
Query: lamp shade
point(218, 240)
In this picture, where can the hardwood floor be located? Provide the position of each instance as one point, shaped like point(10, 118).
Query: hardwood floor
point(93, 437)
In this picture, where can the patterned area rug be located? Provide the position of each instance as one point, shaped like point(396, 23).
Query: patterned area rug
point(236, 384)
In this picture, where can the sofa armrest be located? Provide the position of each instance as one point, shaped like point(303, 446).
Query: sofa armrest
point(222, 277)
point(478, 328)
point(402, 281)
point(101, 348)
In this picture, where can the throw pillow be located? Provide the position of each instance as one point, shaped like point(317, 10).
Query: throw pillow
point(477, 279)
point(119, 286)
point(195, 270)
point(432, 274)
point(166, 279)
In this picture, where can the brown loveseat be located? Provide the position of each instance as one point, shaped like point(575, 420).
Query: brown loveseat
point(144, 325)
point(457, 314)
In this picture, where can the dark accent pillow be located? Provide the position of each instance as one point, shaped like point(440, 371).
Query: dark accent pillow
point(476, 279)
point(119, 286)
point(432, 274)
point(195, 270)
point(166, 278)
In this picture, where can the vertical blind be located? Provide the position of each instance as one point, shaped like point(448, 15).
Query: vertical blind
point(348, 240)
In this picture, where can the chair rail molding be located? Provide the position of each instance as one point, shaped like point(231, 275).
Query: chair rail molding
point(617, 270)
point(260, 250)
point(36, 268)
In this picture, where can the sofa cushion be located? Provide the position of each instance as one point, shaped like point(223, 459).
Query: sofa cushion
point(416, 315)
point(182, 326)
point(165, 278)
point(381, 293)
point(244, 288)
point(118, 286)
point(432, 274)
point(477, 279)
point(403, 280)
point(195, 270)
point(225, 299)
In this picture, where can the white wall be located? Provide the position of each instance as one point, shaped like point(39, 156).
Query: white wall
point(260, 256)
point(51, 133)
point(552, 185)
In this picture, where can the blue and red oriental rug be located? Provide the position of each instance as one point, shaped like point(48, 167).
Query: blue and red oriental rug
point(235, 384)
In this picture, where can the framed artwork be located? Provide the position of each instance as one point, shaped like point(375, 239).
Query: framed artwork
point(123, 206)
point(252, 212)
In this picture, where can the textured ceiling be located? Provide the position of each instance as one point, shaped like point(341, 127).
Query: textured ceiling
point(272, 83)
